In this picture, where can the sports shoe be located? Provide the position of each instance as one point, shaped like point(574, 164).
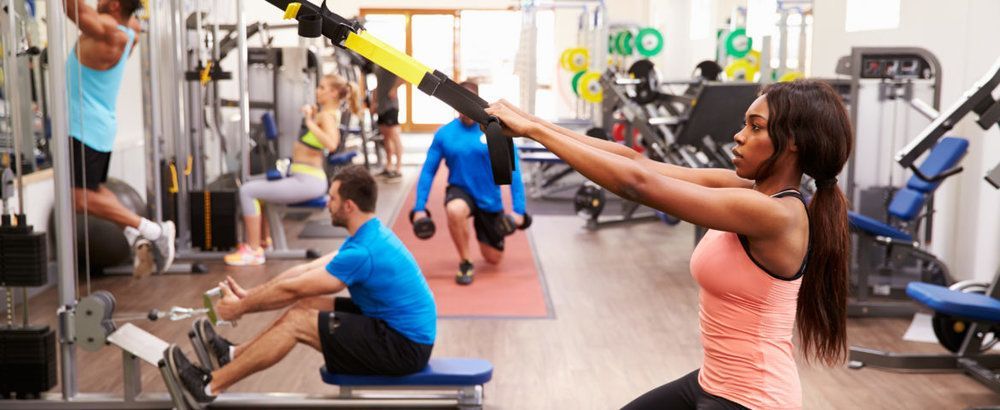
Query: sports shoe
point(164, 246)
point(144, 261)
point(245, 256)
point(465, 273)
point(192, 379)
point(216, 346)
point(393, 176)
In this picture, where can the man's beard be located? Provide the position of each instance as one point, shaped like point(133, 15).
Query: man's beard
point(336, 219)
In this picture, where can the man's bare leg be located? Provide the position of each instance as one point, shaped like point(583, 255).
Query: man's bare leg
point(491, 254)
point(317, 303)
point(103, 204)
point(458, 226)
point(390, 145)
point(297, 325)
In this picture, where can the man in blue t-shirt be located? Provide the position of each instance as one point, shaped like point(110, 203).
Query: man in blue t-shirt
point(471, 190)
point(386, 327)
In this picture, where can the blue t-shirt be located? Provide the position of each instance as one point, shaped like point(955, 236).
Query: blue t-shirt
point(464, 151)
point(385, 281)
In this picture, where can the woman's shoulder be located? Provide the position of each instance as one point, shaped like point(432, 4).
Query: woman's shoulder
point(333, 116)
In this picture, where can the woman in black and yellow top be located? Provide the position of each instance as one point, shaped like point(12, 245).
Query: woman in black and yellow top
point(306, 179)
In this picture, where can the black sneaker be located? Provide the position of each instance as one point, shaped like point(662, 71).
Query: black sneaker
point(192, 379)
point(465, 273)
point(216, 346)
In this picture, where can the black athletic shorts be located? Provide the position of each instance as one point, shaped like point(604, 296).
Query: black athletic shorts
point(389, 118)
point(487, 224)
point(357, 344)
point(94, 162)
point(683, 393)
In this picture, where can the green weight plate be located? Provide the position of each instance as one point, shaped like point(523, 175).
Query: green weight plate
point(649, 42)
point(738, 44)
point(576, 81)
point(618, 43)
point(625, 43)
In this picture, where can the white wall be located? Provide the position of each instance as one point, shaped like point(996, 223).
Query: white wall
point(681, 53)
point(967, 231)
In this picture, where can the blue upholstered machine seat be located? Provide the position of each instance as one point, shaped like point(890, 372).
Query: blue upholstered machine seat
point(270, 126)
point(943, 157)
point(341, 158)
point(319, 202)
point(439, 372)
point(973, 306)
point(908, 202)
point(873, 226)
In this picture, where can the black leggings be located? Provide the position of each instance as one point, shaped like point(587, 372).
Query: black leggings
point(683, 393)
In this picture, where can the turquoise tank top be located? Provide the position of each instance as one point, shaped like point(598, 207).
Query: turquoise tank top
point(92, 96)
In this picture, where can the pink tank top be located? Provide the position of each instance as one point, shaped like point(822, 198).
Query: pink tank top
point(747, 318)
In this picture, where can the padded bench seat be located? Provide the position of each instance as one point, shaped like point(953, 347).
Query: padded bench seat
point(876, 227)
point(439, 372)
point(973, 306)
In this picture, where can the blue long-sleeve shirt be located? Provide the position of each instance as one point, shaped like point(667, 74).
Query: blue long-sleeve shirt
point(464, 151)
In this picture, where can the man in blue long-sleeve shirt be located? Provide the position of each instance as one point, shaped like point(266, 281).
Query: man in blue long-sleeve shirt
point(471, 190)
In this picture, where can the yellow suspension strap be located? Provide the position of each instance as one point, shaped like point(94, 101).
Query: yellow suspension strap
point(317, 20)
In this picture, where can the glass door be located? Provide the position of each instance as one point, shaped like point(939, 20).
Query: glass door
point(428, 36)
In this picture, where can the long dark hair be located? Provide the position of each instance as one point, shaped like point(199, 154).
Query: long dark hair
point(811, 113)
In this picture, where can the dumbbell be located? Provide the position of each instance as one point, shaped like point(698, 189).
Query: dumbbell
point(423, 227)
point(508, 225)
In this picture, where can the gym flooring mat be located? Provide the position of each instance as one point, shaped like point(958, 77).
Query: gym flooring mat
point(515, 288)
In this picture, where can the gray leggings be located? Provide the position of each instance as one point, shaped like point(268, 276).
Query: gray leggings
point(292, 189)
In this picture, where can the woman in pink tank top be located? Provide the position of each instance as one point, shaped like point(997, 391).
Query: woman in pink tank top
point(768, 264)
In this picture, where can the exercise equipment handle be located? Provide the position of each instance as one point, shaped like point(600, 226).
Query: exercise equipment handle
point(352, 36)
point(935, 178)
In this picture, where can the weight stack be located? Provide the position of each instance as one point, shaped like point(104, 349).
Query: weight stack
point(27, 361)
point(23, 257)
point(213, 220)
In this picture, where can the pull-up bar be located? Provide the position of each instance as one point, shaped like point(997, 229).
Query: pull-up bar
point(315, 21)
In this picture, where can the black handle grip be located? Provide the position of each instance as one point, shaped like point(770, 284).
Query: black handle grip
point(501, 154)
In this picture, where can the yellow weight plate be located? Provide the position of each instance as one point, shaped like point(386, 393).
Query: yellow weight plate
point(754, 57)
point(791, 76)
point(741, 70)
point(564, 59)
point(578, 60)
point(590, 87)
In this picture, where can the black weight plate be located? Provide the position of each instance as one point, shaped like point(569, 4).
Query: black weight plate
point(649, 81)
point(946, 328)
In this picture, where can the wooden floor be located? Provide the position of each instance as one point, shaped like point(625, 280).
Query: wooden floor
point(626, 320)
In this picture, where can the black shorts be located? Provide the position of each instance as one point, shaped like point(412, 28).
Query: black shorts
point(487, 224)
point(389, 118)
point(90, 167)
point(357, 344)
point(683, 393)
